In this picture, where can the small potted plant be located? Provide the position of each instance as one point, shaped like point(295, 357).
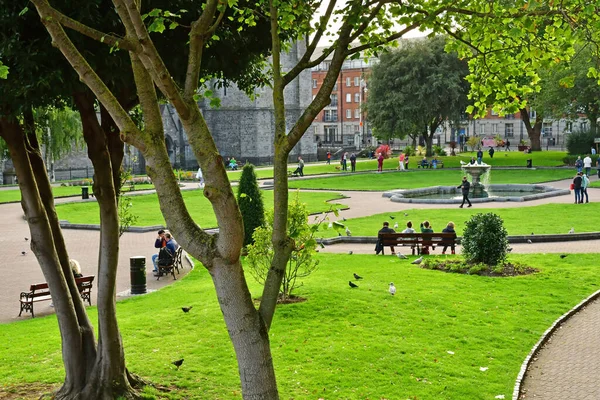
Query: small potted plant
point(523, 145)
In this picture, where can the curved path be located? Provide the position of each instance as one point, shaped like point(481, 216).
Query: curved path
point(566, 367)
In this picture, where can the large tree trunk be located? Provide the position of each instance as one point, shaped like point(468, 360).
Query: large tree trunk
point(109, 378)
point(43, 245)
point(533, 132)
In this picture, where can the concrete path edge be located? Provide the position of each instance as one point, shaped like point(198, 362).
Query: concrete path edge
point(545, 337)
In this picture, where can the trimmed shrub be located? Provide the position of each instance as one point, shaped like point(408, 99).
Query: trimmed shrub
point(250, 202)
point(439, 151)
point(485, 239)
point(409, 151)
point(580, 142)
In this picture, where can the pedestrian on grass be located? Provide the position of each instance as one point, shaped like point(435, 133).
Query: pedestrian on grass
point(401, 161)
point(200, 178)
point(585, 182)
point(328, 157)
point(465, 185)
point(479, 156)
point(507, 145)
point(579, 164)
point(491, 152)
point(353, 162)
point(587, 164)
point(577, 182)
point(380, 163)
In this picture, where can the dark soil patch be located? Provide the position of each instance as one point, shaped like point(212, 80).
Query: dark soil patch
point(461, 267)
point(290, 300)
point(27, 391)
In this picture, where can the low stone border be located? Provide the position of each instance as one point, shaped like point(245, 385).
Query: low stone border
point(398, 196)
point(544, 339)
point(511, 239)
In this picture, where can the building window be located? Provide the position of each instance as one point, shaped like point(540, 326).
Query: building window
point(326, 65)
point(330, 116)
point(331, 134)
point(334, 87)
point(532, 114)
point(314, 83)
point(357, 97)
point(348, 82)
point(509, 130)
point(583, 125)
point(568, 127)
point(509, 116)
point(348, 113)
point(547, 130)
point(482, 130)
point(494, 129)
point(356, 81)
point(334, 100)
point(357, 113)
point(348, 98)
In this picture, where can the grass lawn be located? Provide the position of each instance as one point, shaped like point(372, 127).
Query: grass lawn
point(511, 158)
point(427, 342)
point(423, 178)
point(542, 219)
point(59, 191)
point(148, 212)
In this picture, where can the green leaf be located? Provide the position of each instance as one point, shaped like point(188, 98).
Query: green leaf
point(23, 11)
point(215, 102)
point(215, 37)
point(3, 71)
point(157, 26)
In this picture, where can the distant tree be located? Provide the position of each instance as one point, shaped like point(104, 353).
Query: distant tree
point(251, 203)
point(415, 89)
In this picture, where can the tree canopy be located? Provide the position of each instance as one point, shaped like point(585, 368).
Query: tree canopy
point(415, 89)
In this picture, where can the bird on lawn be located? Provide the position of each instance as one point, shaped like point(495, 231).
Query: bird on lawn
point(343, 218)
point(177, 363)
point(186, 309)
point(532, 233)
point(509, 249)
point(396, 225)
point(322, 245)
point(529, 241)
point(350, 252)
point(392, 288)
point(392, 217)
point(462, 162)
point(330, 225)
point(348, 233)
point(563, 255)
point(418, 260)
point(406, 214)
point(23, 253)
point(357, 277)
point(352, 285)
point(401, 256)
point(572, 230)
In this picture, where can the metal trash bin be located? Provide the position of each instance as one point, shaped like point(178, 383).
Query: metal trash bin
point(137, 271)
point(85, 192)
point(529, 163)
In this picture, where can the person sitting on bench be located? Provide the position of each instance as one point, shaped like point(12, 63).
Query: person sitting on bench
point(426, 228)
point(449, 229)
point(379, 246)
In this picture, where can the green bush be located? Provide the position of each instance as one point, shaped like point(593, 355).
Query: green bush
point(580, 142)
point(251, 203)
point(300, 263)
point(439, 151)
point(485, 239)
point(409, 151)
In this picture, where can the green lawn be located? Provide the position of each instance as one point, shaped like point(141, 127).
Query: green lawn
point(423, 178)
point(7, 196)
point(427, 342)
point(505, 159)
point(148, 212)
point(543, 219)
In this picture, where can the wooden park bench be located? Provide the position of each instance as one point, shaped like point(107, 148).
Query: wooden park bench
point(429, 164)
point(41, 292)
point(175, 265)
point(417, 240)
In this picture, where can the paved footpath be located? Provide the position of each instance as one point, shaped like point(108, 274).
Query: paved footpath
point(567, 367)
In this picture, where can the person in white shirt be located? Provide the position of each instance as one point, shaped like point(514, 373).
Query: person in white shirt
point(200, 178)
point(587, 164)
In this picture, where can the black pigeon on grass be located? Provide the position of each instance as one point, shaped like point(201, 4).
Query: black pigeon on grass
point(352, 285)
point(177, 363)
point(186, 309)
point(563, 255)
point(357, 277)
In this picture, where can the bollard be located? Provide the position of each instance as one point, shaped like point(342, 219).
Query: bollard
point(137, 270)
point(85, 192)
point(529, 163)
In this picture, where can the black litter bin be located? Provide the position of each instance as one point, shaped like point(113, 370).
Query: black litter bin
point(137, 271)
point(529, 163)
point(85, 192)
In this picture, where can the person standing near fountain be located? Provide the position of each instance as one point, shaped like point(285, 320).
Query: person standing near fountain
point(577, 181)
point(465, 185)
point(479, 156)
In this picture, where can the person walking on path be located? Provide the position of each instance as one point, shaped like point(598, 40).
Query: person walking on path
point(300, 169)
point(507, 145)
point(491, 152)
point(479, 156)
point(328, 157)
point(587, 164)
point(579, 164)
point(353, 162)
point(401, 161)
point(345, 162)
point(465, 185)
point(380, 163)
point(577, 181)
point(200, 178)
point(585, 182)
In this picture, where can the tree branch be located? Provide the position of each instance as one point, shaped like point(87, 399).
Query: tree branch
point(89, 76)
point(77, 26)
point(198, 34)
point(305, 60)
